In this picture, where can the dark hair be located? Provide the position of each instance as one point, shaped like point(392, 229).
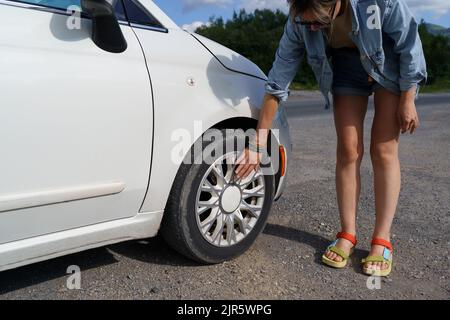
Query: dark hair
point(318, 7)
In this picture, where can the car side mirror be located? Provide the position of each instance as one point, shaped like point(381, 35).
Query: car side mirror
point(106, 32)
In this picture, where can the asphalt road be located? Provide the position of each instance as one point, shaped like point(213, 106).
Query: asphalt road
point(284, 263)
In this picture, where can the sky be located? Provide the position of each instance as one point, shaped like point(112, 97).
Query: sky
point(190, 14)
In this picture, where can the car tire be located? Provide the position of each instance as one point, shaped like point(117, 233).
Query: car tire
point(182, 222)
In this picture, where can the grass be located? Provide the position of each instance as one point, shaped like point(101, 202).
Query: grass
point(441, 87)
point(301, 86)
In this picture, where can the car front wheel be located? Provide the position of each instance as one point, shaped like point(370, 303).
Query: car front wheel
point(211, 216)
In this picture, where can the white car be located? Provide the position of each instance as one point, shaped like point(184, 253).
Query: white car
point(93, 108)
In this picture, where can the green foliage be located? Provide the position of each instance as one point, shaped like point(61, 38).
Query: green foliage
point(256, 36)
point(437, 55)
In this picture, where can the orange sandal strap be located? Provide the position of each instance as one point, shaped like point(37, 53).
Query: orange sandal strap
point(347, 236)
point(382, 242)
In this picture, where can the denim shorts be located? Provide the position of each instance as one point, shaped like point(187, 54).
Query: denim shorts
point(349, 75)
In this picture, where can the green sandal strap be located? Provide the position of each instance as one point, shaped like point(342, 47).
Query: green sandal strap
point(339, 252)
point(375, 259)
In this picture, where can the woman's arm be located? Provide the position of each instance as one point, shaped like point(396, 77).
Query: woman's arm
point(401, 26)
point(287, 60)
point(408, 119)
point(288, 56)
point(268, 111)
point(250, 159)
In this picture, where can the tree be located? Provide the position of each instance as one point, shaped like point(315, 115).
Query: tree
point(256, 36)
point(437, 55)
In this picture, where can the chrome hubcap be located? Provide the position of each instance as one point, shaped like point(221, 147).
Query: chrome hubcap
point(231, 198)
point(227, 209)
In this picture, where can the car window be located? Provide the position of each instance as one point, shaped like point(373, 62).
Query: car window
point(58, 4)
point(137, 13)
point(64, 4)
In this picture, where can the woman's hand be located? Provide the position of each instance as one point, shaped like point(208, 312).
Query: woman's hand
point(247, 162)
point(408, 119)
point(250, 159)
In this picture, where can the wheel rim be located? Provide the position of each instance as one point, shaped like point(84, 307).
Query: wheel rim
point(226, 210)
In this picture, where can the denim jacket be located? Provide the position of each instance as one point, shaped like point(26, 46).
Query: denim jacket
point(386, 35)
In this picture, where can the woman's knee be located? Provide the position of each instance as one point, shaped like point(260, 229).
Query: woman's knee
point(384, 154)
point(350, 152)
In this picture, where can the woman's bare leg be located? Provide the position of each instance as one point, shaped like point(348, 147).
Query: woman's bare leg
point(386, 167)
point(349, 113)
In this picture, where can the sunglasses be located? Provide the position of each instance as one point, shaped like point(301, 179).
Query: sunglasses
point(318, 24)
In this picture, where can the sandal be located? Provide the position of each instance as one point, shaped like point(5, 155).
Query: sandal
point(386, 257)
point(332, 247)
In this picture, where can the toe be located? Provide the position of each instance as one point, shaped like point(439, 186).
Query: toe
point(338, 258)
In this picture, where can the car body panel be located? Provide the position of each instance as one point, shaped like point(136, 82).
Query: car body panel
point(71, 136)
point(230, 59)
point(91, 174)
point(217, 94)
point(19, 253)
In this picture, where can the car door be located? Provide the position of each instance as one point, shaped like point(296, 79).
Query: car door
point(76, 122)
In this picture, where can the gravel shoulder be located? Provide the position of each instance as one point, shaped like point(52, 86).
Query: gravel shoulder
point(284, 263)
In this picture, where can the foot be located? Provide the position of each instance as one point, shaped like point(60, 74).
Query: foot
point(342, 244)
point(376, 250)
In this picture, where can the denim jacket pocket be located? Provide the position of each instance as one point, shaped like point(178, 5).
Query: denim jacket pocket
point(378, 60)
point(377, 57)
